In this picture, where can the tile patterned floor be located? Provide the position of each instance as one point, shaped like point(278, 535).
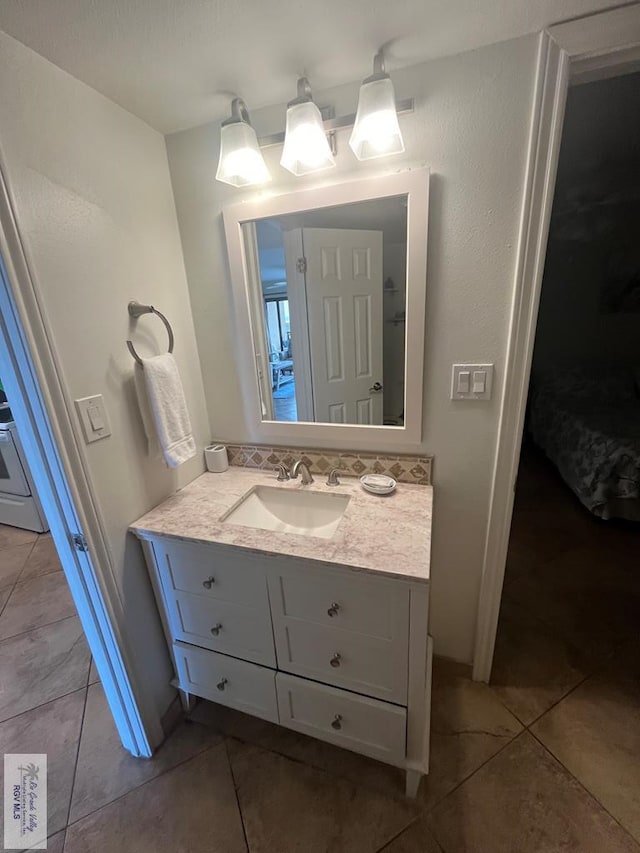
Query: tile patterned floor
point(543, 760)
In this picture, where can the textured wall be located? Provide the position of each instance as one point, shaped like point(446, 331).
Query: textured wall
point(96, 213)
point(471, 127)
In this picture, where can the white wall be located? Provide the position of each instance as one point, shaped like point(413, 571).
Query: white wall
point(96, 213)
point(471, 126)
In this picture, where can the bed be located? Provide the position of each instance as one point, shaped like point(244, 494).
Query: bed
point(587, 421)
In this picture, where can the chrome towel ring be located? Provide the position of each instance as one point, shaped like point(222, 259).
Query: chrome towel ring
point(136, 310)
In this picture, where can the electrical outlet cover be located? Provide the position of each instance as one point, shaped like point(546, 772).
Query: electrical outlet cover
point(464, 377)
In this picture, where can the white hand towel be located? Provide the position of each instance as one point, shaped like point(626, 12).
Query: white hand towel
point(167, 409)
point(153, 445)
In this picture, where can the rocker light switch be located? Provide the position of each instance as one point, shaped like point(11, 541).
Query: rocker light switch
point(463, 382)
point(93, 417)
point(479, 381)
point(471, 381)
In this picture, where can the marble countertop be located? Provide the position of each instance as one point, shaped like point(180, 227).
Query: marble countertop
point(388, 535)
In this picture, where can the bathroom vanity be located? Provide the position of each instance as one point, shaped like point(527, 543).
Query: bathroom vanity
point(323, 630)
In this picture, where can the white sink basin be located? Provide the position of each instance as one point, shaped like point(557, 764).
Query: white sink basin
point(289, 511)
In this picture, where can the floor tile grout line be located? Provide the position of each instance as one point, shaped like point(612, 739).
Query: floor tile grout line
point(593, 672)
point(24, 545)
point(427, 808)
point(593, 668)
point(15, 583)
point(372, 788)
point(561, 699)
point(26, 559)
point(4, 606)
point(319, 769)
point(41, 705)
point(146, 781)
point(75, 766)
point(430, 808)
point(315, 766)
point(73, 615)
point(235, 791)
point(527, 726)
point(88, 684)
point(19, 582)
point(39, 538)
point(584, 787)
point(388, 843)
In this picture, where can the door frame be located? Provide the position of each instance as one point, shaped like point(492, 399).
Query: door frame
point(59, 470)
point(599, 43)
point(299, 317)
point(260, 342)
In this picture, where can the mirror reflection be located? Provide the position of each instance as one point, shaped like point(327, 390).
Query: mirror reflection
point(328, 302)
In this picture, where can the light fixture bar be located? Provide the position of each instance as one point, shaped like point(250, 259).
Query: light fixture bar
point(407, 105)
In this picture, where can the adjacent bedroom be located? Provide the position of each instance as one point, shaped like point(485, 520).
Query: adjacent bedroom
point(571, 597)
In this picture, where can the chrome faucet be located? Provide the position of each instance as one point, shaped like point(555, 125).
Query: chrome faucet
point(299, 466)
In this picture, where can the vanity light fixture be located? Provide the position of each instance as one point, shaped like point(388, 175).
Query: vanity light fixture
point(241, 163)
point(306, 147)
point(376, 132)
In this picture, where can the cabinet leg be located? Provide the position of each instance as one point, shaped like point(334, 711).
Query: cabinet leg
point(187, 701)
point(412, 783)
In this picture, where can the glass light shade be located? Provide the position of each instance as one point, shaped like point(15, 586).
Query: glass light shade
point(241, 162)
point(306, 147)
point(376, 132)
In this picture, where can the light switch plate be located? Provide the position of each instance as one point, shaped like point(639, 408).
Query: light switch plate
point(93, 417)
point(465, 376)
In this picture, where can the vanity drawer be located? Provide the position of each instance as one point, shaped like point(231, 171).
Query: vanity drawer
point(212, 571)
point(373, 606)
point(354, 722)
point(368, 665)
point(226, 680)
point(222, 626)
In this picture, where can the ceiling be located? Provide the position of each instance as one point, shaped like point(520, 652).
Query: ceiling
point(174, 63)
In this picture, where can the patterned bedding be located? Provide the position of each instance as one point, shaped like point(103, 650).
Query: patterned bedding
point(589, 426)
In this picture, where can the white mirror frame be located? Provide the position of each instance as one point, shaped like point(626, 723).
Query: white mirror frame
point(415, 185)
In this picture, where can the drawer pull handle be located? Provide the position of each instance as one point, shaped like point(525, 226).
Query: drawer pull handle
point(209, 582)
point(222, 684)
point(333, 610)
point(335, 660)
point(336, 723)
point(216, 629)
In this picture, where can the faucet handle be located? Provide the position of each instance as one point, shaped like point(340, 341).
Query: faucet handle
point(283, 473)
point(332, 477)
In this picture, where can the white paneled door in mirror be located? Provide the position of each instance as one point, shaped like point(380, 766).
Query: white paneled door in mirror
point(344, 287)
point(330, 293)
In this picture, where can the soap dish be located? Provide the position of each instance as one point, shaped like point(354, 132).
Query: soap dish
point(378, 484)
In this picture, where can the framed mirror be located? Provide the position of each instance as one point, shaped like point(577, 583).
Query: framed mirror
point(329, 287)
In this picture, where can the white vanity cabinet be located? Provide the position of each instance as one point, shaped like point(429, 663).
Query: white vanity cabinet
point(337, 653)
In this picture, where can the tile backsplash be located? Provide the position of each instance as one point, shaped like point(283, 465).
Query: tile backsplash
point(403, 468)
